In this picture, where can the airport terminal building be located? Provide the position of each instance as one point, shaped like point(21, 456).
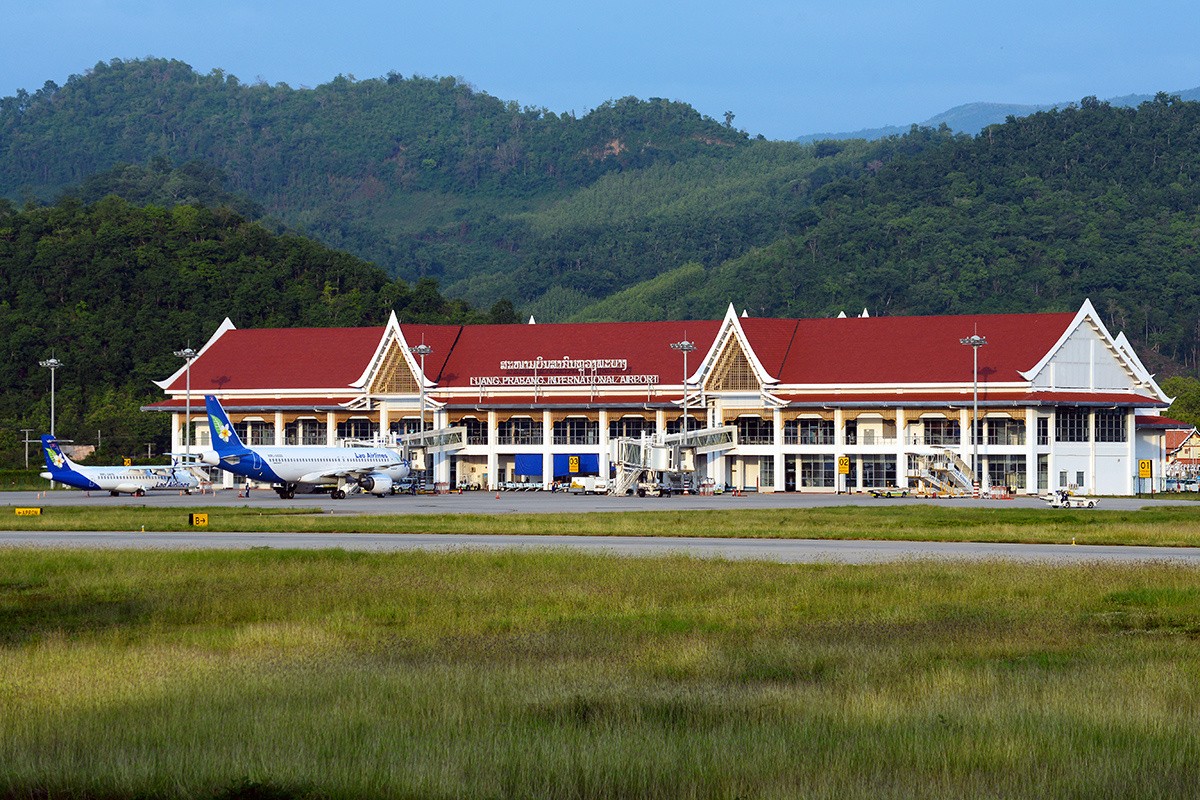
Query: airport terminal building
point(810, 405)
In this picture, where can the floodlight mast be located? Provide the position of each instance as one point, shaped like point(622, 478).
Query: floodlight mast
point(51, 364)
point(974, 341)
point(422, 350)
point(188, 355)
point(685, 347)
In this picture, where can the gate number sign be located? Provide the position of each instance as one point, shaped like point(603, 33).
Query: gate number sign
point(843, 465)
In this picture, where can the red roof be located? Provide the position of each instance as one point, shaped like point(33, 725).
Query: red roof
point(644, 345)
point(441, 340)
point(815, 352)
point(283, 358)
point(877, 350)
point(1166, 423)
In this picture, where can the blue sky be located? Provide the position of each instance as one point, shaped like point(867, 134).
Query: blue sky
point(783, 68)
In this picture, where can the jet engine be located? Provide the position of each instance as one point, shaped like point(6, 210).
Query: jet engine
point(210, 457)
point(376, 483)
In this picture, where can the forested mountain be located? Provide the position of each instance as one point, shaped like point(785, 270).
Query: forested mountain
point(1035, 214)
point(645, 208)
point(111, 289)
point(428, 177)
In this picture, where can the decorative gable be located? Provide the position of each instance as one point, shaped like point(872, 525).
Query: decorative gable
point(1088, 357)
point(732, 371)
point(394, 376)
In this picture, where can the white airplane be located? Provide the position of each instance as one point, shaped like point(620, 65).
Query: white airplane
point(114, 480)
point(376, 470)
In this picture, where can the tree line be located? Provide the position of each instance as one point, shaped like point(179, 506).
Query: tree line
point(111, 289)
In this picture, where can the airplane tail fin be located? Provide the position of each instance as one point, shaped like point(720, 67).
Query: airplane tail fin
point(224, 438)
point(57, 463)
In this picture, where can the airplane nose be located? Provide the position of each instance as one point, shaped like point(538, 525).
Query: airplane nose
point(210, 457)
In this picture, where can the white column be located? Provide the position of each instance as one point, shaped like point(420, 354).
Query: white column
point(964, 437)
point(1131, 455)
point(547, 444)
point(1092, 485)
point(780, 471)
point(1031, 452)
point(604, 444)
point(1052, 438)
point(493, 458)
point(385, 421)
point(330, 428)
point(279, 437)
point(839, 449)
point(901, 449)
point(441, 460)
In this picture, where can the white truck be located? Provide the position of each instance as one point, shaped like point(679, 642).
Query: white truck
point(588, 484)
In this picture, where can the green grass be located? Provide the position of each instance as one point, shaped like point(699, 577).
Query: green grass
point(1164, 526)
point(335, 674)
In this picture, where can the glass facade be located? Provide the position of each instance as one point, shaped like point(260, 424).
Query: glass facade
point(941, 432)
point(519, 430)
point(817, 471)
point(1006, 471)
point(808, 431)
point(1071, 425)
point(576, 430)
point(755, 430)
point(1110, 426)
point(305, 432)
point(878, 471)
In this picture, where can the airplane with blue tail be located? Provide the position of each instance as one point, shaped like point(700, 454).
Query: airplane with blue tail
point(114, 480)
point(292, 468)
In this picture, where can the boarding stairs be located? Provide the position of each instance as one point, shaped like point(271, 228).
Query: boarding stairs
point(945, 472)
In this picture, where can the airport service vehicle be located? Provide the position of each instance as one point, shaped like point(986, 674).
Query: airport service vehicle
point(112, 479)
point(292, 468)
point(890, 491)
point(588, 484)
point(1064, 499)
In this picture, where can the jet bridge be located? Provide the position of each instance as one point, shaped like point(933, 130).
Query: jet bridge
point(659, 463)
point(439, 440)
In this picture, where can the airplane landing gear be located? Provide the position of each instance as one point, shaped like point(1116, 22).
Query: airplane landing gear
point(286, 492)
point(338, 494)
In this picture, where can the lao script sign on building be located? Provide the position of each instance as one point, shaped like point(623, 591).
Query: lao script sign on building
point(565, 371)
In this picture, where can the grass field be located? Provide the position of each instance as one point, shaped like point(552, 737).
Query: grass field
point(1171, 526)
point(334, 674)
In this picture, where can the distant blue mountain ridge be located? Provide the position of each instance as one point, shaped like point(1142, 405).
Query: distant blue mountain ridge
point(974, 117)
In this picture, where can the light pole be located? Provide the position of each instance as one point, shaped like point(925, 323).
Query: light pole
point(51, 364)
point(422, 350)
point(187, 354)
point(685, 347)
point(974, 341)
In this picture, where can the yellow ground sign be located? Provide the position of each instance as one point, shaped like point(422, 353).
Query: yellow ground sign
point(1145, 467)
point(843, 465)
point(198, 520)
point(572, 464)
point(29, 512)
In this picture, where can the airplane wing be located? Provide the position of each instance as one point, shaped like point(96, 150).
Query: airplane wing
point(342, 472)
